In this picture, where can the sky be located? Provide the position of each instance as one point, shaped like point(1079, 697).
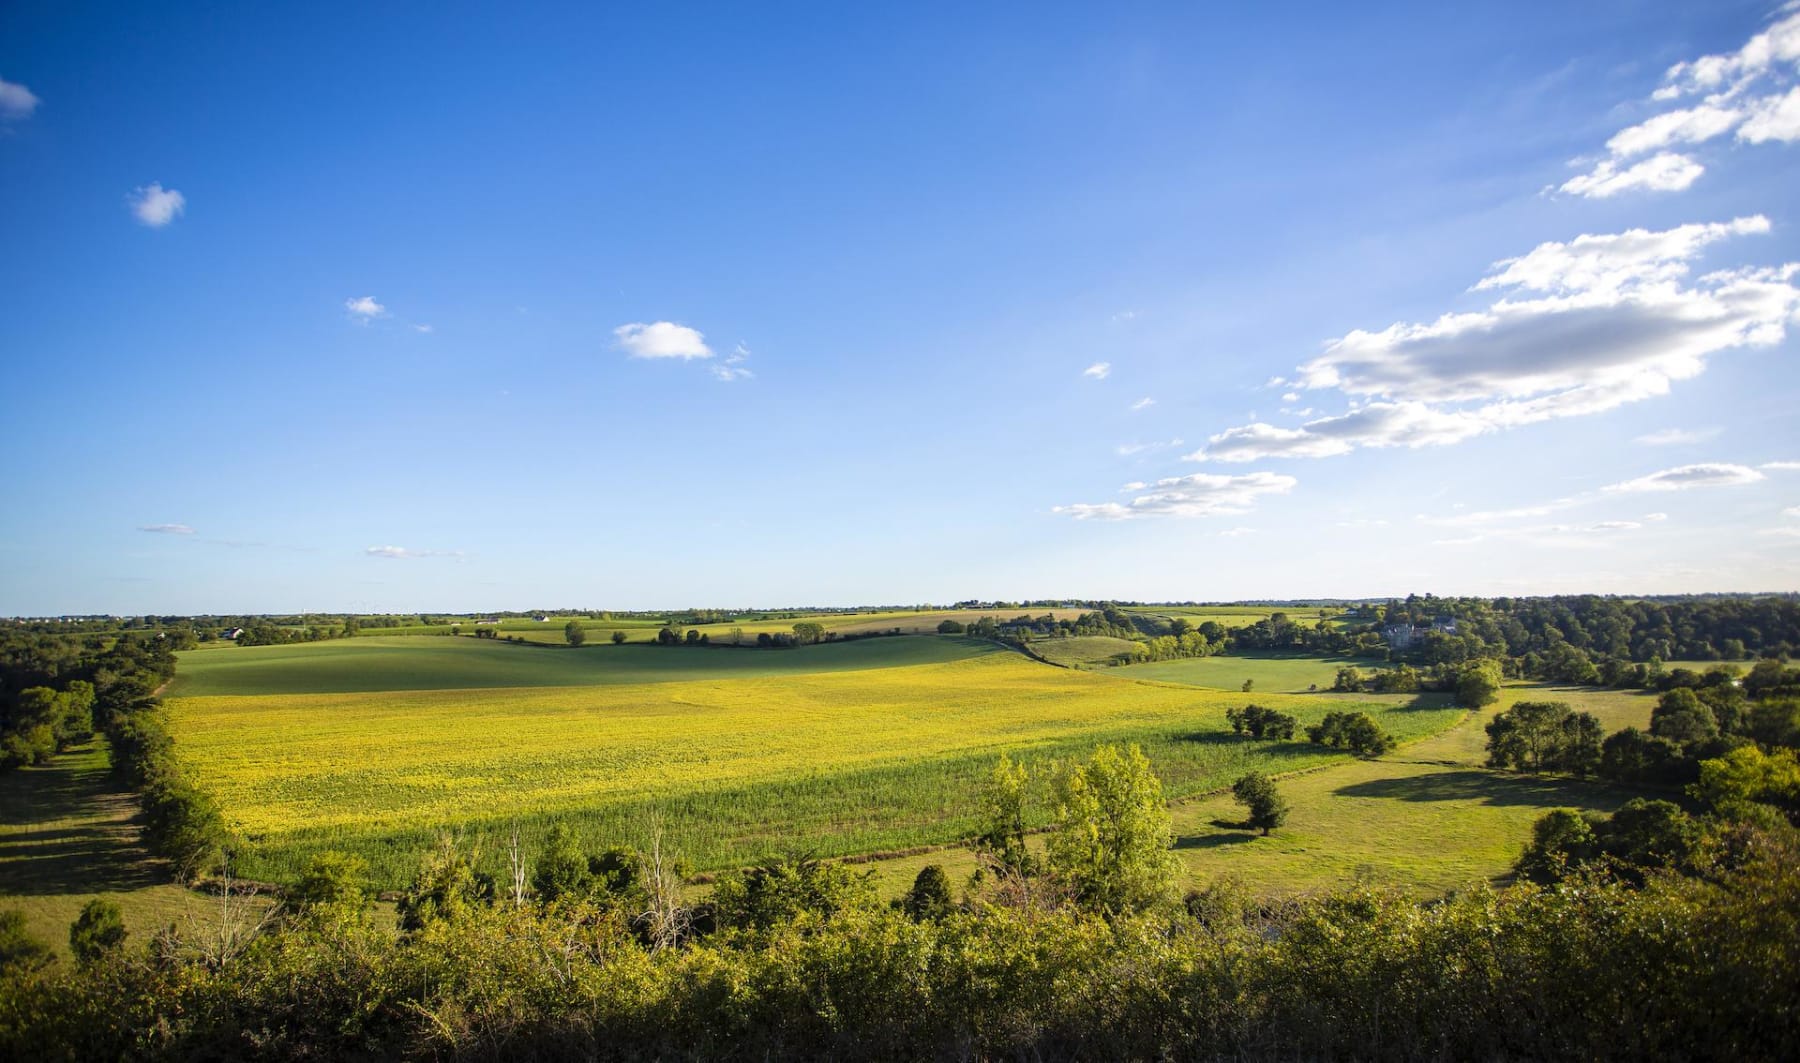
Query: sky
point(456, 308)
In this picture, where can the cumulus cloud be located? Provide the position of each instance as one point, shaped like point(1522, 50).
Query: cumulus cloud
point(1684, 477)
point(16, 101)
point(364, 308)
point(1669, 437)
point(156, 206)
point(1098, 370)
point(1581, 327)
point(662, 339)
point(1195, 495)
point(1749, 91)
point(166, 529)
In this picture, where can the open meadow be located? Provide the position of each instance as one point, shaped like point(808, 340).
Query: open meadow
point(836, 749)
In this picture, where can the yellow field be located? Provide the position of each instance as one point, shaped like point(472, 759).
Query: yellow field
point(841, 762)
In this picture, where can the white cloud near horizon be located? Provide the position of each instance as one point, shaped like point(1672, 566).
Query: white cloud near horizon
point(16, 101)
point(1684, 477)
point(1582, 327)
point(662, 339)
point(1749, 91)
point(1669, 437)
point(1194, 495)
point(1098, 371)
point(401, 553)
point(156, 206)
point(166, 529)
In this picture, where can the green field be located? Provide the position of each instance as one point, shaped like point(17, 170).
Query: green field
point(856, 759)
point(425, 663)
point(1086, 651)
point(1269, 671)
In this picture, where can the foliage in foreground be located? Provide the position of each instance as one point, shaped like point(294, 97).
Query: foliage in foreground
point(1681, 966)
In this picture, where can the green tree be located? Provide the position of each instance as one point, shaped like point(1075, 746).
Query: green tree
point(562, 868)
point(19, 951)
point(1682, 718)
point(1745, 776)
point(1561, 840)
point(1003, 816)
point(1111, 843)
point(950, 627)
point(618, 638)
point(333, 881)
point(1479, 685)
point(809, 632)
point(574, 633)
point(447, 888)
point(1248, 684)
point(1267, 809)
point(930, 896)
point(98, 930)
point(1527, 737)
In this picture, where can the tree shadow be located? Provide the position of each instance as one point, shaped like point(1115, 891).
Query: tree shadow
point(1212, 841)
point(1483, 787)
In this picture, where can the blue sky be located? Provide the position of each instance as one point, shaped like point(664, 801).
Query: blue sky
point(460, 308)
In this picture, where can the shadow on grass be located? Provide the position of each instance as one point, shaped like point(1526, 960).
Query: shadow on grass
point(67, 827)
point(1214, 841)
point(1485, 787)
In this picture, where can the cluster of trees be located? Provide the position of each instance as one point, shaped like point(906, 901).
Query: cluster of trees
point(1401, 679)
point(1538, 736)
point(54, 690)
point(1356, 731)
point(263, 633)
point(1259, 722)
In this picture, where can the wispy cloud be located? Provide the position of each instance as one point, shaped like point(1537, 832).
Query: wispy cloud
point(1584, 327)
point(16, 101)
point(733, 366)
point(166, 529)
point(661, 339)
point(1685, 477)
point(1196, 495)
point(1098, 371)
point(1780, 466)
point(156, 206)
point(1669, 437)
point(364, 309)
point(1750, 92)
point(407, 554)
point(1143, 404)
point(1126, 450)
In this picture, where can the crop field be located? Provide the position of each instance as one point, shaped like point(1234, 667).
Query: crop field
point(1085, 651)
point(1267, 671)
point(426, 663)
point(737, 767)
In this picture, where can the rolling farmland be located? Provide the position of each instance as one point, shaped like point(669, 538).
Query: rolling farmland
point(870, 750)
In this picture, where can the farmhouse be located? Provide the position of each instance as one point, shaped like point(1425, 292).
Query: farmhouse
point(1401, 636)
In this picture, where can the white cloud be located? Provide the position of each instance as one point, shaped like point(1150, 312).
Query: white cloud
point(1125, 315)
point(1653, 517)
point(1126, 450)
point(1144, 403)
point(423, 328)
point(1780, 466)
point(1290, 396)
point(1669, 437)
point(1748, 91)
point(166, 529)
point(1233, 533)
point(1792, 511)
point(156, 206)
point(364, 308)
point(662, 339)
point(1666, 172)
point(1614, 525)
point(16, 101)
point(1589, 325)
point(1098, 370)
point(401, 553)
point(1196, 495)
point(1793, 533)
point(1363, 522)
point(733, 368)
point(1683, 477)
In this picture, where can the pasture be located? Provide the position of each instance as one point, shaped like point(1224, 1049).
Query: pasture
point(1086, 651)
point(738, 767)
point(425, 663)
point(1268, 671)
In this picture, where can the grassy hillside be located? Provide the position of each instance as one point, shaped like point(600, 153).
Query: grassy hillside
point(837, 762)
point(423, 663)
point(1085, 651)
point(1269, 671)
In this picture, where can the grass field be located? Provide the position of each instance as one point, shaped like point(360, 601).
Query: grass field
point(839, 762)
point(1427, 818)
point(415, 663)
point(68, 834)
point(1269, 671)
point(1085, 651)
